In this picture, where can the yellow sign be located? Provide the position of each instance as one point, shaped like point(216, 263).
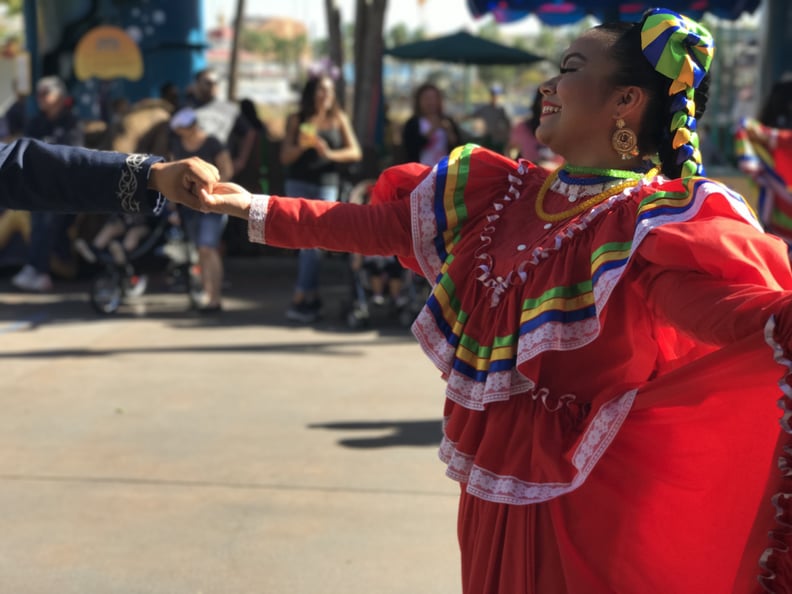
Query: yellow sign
point(107, 52)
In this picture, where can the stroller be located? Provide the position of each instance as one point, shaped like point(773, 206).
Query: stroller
point(125, 274)
point(380, 287)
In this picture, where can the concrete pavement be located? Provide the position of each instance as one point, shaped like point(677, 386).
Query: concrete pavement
point(159, 452)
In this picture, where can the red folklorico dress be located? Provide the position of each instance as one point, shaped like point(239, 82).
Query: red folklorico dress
point(615, 380)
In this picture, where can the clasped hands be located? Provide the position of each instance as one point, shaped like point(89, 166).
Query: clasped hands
point(196, 184)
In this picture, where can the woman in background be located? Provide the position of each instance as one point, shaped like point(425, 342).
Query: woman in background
point(429, 134)
point(318, 139)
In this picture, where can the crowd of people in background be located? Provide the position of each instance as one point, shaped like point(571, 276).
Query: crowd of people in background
point(313, 157)
point(177, 124)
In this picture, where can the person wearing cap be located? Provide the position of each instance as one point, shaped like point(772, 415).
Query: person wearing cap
point(205, 230)
point(497, 123)
point(221, 118)
point(54, 123)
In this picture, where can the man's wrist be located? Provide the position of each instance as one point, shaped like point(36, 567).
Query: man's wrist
point(152, 182)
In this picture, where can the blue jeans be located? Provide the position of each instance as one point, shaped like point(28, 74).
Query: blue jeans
point(47, 235)
point(308, 260)
point(204, 229)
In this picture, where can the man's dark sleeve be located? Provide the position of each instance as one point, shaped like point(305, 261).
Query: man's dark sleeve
point(39, 176)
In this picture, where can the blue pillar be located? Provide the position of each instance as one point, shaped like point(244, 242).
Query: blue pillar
point(170, 36)
point(173, 43)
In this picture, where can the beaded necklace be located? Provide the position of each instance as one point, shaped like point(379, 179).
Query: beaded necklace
point(631, 178)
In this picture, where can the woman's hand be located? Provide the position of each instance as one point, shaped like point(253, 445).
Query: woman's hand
point(226, 198)
point(183, 181)
point(321, 147)
point(757, 133)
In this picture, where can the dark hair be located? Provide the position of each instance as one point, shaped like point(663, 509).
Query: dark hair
point(427, 86)
point(536, 110)
point(248, 109)
point(634, 69)
point(308, 98)
point(777, 109)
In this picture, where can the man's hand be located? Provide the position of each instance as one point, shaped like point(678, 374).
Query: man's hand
point(184, 181)
point(226, 198)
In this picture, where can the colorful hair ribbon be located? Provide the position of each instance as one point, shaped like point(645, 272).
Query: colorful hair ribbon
point(681, 50)
point(677, 47)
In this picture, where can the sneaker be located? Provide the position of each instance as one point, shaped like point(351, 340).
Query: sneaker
point(38, 282)
point(85, 250)
point(210, 310)
point(136, 285)
point(304, 312)
point(23, 276)
point(378, 300)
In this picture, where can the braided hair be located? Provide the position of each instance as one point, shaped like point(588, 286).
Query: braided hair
point(669, 123)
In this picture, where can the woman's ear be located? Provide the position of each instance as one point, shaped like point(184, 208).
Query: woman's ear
point(631, 102)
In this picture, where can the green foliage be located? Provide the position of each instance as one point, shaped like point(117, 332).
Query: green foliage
point(261, 42)
point(286, 51)
point(14, 6)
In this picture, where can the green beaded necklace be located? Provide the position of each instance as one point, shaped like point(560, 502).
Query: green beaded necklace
point(631, 179)
point(600, 171)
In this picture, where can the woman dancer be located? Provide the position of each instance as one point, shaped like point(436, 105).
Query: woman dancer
point(612, 334)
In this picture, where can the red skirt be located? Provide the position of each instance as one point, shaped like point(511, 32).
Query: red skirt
point(682, 501)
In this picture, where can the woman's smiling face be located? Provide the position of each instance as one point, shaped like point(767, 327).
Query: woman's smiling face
point(579, 104)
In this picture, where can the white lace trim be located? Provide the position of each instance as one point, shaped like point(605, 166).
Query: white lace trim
point(424, 227)
point(576, 191)
point(128, 184)
point(779, 535)
point(463, 390)
point(490, 486)
point(257, 216)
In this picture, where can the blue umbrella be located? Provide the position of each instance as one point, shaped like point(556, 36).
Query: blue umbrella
point(565, 12)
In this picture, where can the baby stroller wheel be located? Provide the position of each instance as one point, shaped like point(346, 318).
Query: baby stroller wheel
point(107, 292)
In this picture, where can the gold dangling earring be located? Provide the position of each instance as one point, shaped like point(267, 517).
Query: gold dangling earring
point(624, 141)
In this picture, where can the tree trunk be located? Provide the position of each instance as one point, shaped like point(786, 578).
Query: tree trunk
point(367, 116)
point(233, 66)
point(336, 46)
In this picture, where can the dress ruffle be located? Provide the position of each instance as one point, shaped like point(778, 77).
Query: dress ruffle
point(776, 561)
point(497, 311)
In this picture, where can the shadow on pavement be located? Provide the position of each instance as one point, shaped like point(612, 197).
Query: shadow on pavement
point(338, 348)
point(398, 433)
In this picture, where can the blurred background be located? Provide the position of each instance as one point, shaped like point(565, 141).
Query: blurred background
point(113, 54)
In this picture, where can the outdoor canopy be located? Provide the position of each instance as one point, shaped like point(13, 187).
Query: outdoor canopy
point(463, 48)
